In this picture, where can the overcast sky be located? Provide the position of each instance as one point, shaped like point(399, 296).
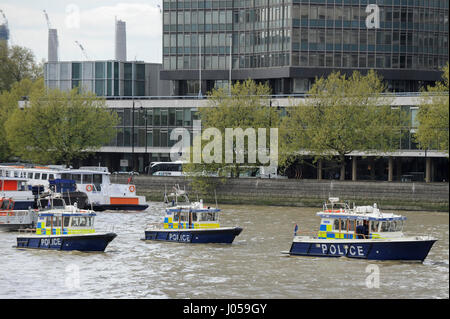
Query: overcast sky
point(90, 22)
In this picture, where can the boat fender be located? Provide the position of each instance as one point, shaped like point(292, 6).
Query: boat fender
point(132, 188)
point(89, 188)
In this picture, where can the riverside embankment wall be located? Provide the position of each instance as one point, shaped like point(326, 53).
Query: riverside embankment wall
point(312, 193)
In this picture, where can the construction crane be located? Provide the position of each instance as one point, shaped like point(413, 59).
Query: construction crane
point(48, 20)
point(5, 29)
point(82, 50)
point(4, 17)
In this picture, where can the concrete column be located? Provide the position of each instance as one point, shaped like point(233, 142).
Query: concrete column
point(399, 168)
point(428, 170)
point(372, 165)
point(354, 167)
point(391, 169)
point(319, 170)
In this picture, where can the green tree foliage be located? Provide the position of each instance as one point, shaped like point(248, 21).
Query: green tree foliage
point(9, 101)
point(248, 106)
point(342, 114)
point(55, 127)
point(17, 63)
point(433, 116)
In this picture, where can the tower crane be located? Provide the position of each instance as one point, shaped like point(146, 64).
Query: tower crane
point(8, 36)
point(4, 17)
point(82, 50)
point(48, 20)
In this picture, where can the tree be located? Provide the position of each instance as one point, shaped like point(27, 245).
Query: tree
point(342, 114)
point(247, 107)
point(57, 127)
point(17, 63)
point(9, 101)
point(433, 115)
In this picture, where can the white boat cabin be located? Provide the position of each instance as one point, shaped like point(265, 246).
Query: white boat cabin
point(339, 221)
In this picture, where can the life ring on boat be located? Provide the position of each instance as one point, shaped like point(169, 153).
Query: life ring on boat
point(89, 188)
point(132, 188)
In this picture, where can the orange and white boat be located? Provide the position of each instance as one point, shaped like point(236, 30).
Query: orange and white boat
point(94, 181)
point(102, 194)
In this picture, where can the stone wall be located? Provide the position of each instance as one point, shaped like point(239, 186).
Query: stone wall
point(294, 192)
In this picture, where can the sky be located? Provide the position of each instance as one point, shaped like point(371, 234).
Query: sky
point(91, 23)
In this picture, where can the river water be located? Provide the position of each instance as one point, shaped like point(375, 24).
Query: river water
point(252, 267)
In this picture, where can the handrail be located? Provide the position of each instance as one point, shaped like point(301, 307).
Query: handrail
point(273, 96)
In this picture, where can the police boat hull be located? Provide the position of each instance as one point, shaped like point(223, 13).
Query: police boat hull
point(223, 235)
point(407, 248)
point(83, 242)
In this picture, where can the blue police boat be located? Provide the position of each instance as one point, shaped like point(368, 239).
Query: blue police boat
point(64, 227)
point(190, 223)
point(362, 232)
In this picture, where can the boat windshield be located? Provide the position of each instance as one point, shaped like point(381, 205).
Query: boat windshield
point(52, 203)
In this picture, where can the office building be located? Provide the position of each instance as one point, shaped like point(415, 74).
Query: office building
point(290, 42)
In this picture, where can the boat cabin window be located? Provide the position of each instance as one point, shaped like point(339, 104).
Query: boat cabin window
point(374, 224)
point(75, 222)
point(392, 226)
point(81, 222)
point(207, 217)
point(343, 224)
point(44, 176)
point(97, 178)
point(66, 221)
point(194, 217)
point(51, 176)
point(37, 175)
point(85, 222)
point(53, 221)
point(30, 175)
point(56, 221)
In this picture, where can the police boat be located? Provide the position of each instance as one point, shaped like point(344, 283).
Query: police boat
point(64, 227)
point(190, 223)
point(362, 232)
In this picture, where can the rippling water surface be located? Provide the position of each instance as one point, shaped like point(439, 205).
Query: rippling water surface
point(252, 267)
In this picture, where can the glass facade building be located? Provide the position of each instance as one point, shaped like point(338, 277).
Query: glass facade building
point(290, 42)
point(106, 78)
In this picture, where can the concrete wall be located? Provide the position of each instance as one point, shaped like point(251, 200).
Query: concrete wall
point(293, 192)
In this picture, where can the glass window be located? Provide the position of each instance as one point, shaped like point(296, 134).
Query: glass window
point(171, 117)
point(164, 117)
point(128, 71)
point(156, 117)
point(99, 70)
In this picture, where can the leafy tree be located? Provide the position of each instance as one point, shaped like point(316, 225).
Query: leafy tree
point(9, 101)
point(17, 63)
point(247, 107)
point(57, 127)
point(433, 116)
point(342, 114)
